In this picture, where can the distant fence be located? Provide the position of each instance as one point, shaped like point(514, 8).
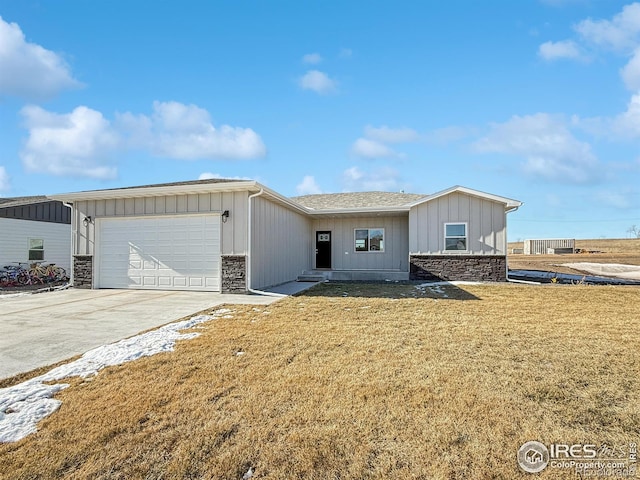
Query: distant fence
point(555, 245)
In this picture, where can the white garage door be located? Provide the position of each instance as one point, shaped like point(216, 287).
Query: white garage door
point(161, 253)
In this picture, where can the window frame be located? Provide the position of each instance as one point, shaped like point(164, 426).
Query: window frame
point(368, 250)
point(458, 237)
point(31, 249)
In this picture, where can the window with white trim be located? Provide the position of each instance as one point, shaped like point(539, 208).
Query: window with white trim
point(36, 249)
point(369, 239)
point(455, 237)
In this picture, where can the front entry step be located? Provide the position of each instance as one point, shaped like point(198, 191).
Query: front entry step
point(310, 278)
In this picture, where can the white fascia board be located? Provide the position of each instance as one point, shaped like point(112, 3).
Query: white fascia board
point(508, 202)
point(281, 199)
point(360, 211)
point(158, 191)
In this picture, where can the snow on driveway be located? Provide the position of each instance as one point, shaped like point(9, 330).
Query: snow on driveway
point(631, 272)
point(22, 406)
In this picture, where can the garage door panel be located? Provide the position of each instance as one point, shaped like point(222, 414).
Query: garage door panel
point(179, 252)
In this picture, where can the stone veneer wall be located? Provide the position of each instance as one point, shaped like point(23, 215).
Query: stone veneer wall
point(234, 274)
point(83, 271)
point(485, 268)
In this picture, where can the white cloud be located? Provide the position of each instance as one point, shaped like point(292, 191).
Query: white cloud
point(620, 33)
point(557, 50)
point(391, 135)
point(319, 82)
point(79, 143)
point(366, 148)
point(627, 124)
point(210, 176)
point(185, 132)
point(549, 149)
point(308, 186)
point(383, 179)
point(4, 180)
point(29, 70)
point(375, 140)
point(630, 73)
point(312, 58)
point(345, 53)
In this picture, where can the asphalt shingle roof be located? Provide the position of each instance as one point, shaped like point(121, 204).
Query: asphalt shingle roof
point(331, 201)
point(8, 202)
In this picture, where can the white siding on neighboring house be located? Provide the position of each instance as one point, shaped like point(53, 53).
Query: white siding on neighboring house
point(281, 244)
point(15, 235)
point(486, 223)
point(234, 230)
point(343, 254)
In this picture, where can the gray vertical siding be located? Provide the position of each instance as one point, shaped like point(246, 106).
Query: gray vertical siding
point(280, 245)
point(486, 222)
point(52, 211)
point(234, 231)
point(343, 254)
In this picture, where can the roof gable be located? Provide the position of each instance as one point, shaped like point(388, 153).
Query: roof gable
point(509, 203)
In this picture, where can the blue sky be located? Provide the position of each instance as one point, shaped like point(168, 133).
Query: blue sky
point(537, 100)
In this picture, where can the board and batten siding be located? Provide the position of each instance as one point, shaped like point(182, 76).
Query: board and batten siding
point(343, 254)
point(15, 235)
point(280, 244)
point(486, 223)
point(234, 231)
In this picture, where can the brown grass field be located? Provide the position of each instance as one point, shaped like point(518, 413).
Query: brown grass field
point(359, 382)
point(625, 251)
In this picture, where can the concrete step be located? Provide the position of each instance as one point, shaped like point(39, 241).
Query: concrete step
point(310, 278)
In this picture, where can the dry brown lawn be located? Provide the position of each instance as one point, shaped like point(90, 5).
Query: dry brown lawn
point(343, 383)
point(624, 251)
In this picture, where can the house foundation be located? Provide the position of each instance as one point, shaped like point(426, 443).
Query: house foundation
point(234, 274)
point(83, 271)
point(475, 268)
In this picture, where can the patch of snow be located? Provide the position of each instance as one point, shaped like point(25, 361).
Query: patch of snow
point(631, 272)
point(22, 406)
point(13, 295)
point(436, 287)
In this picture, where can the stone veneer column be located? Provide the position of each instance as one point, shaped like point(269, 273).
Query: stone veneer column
point(234, 274)
point(477, 268)
point(83, 271)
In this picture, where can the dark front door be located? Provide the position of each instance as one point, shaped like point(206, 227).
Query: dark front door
point(323, 249)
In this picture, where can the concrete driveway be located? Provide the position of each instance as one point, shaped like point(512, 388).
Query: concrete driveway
point(45, 328)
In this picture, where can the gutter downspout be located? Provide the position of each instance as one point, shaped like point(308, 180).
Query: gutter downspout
point(506, 274)
point(73, 240)
point(249, 233)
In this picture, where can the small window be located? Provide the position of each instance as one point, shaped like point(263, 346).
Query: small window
point(455, 236)
point(369, 239)
point(36, 249)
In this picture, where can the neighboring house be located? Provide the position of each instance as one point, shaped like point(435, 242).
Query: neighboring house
point(35, 229)
point(235, 235)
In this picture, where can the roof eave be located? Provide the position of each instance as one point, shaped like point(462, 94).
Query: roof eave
point(358, 211)
point(158, 191)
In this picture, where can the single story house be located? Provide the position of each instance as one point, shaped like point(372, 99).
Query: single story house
point(236, 236)
point(35, 229)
